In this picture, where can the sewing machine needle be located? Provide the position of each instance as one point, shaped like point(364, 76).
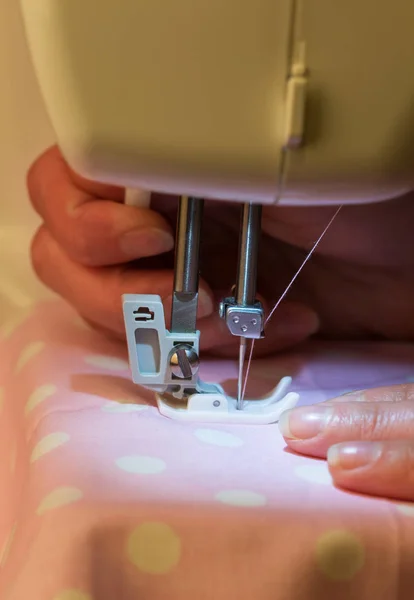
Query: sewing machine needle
point(242, 356)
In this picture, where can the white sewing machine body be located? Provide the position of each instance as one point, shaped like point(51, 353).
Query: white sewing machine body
point(296, 102)
point(291, 101)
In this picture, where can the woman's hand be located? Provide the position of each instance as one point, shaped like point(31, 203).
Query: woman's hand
point(367, 437)
point(359, 284)
point(92, 248)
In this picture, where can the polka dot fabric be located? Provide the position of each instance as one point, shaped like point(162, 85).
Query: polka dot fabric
point(103, 498)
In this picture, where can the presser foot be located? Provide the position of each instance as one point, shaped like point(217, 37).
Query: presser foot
point(210, 404)
point(167, 363)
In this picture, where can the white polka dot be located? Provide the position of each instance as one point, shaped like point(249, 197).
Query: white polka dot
point(121, 407)
point(38, 396)
point(109, 363)
point(340, 555)
point(218, 438)
point(72, 595)
point(62, 496)
point(154, 548)
point(5, 551)
point(241, 498)
point(314, 473)
point(47, 444)
point(31, 351)
point(406, 509)
point(143, 465)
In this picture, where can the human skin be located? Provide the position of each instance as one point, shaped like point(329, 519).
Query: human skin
point(91, 248)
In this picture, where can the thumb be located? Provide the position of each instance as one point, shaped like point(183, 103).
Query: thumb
point(377, 468)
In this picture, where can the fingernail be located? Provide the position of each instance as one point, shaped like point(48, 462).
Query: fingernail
point(205, 304)
point(147, 242)
point(305, 423)
point(354, 456)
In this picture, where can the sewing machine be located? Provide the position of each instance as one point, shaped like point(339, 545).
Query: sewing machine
point(290, 102)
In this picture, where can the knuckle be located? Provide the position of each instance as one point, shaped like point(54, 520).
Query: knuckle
point(373, 424)
point(409, 392)
point(404, 420)
point(75, 230)
point(378, 421)
point(32, 185)
point(34, 178)
point(367, 423)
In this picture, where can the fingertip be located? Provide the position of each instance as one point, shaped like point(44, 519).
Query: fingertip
point(374, 468)
point(308, 429)
point(300, 446)
point(34, 178)
point(311, 320)
point(40, 251)
point(205, 303)
point(294, 321)
point(284, 425)
point(348, 457)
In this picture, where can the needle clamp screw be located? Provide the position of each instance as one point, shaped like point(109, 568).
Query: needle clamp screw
point(243, 321)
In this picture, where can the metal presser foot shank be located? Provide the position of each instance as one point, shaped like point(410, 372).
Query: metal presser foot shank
point(167, 361)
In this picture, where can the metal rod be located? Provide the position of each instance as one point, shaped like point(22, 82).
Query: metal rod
point(188, 245)
point(289, 286)
point(186, 271)
point(246, 282)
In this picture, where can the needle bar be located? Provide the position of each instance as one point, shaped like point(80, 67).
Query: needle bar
point(186, 271)
point(283, 296)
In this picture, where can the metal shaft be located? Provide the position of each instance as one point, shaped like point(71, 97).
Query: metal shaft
point(246, 283)
point(186, 273)
point(245, 293)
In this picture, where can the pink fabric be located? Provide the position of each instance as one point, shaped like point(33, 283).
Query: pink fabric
point(104, 499)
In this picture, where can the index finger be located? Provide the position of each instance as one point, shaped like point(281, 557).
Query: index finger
point(89, 219)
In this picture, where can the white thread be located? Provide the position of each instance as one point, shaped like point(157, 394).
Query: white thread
point(283, 296)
